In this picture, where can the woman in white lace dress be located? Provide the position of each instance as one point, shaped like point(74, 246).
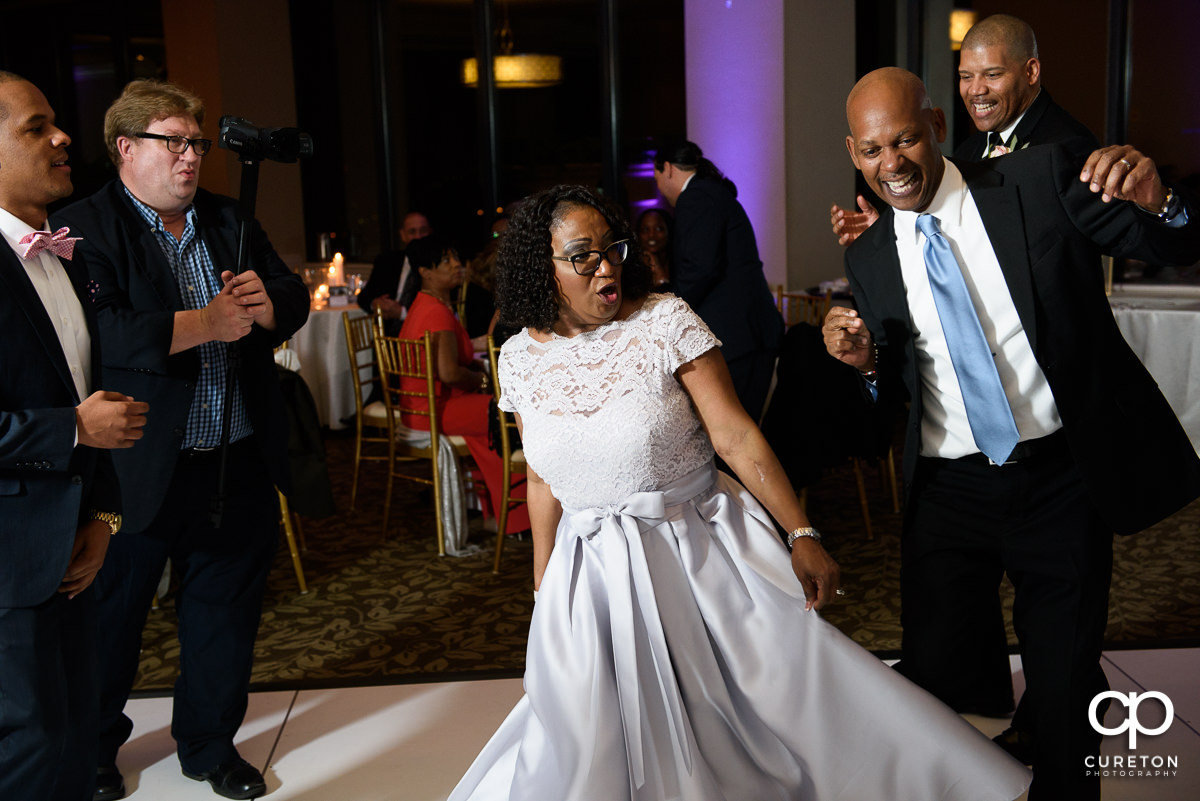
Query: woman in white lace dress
point(674, 653)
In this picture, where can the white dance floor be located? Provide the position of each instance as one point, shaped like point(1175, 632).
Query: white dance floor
point(412, 742)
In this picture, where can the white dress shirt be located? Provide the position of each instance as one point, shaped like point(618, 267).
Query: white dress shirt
point(59, 298)
point(945, 431)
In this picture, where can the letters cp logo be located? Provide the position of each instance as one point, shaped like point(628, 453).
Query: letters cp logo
point(1131, 721)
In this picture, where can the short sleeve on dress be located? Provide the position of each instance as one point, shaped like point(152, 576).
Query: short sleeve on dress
point(510, 382)
point(687, 336)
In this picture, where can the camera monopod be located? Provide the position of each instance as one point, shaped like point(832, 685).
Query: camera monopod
point(252, 145)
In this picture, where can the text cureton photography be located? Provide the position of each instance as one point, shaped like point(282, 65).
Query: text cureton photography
point(1132, 765)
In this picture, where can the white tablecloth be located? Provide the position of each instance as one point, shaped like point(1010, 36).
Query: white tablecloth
point(1164, 331)
point(324, 364)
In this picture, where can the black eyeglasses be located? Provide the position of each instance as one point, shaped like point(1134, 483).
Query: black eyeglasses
point(179, 144)
point(587, 262)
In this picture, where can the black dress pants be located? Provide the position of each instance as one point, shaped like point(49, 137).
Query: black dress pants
point(968, 523)
point(222, 575)
point(48, 699)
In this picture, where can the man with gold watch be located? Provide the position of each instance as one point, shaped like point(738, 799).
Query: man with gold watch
point(59, 499)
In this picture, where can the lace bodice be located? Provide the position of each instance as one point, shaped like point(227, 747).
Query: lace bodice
point(603, 414)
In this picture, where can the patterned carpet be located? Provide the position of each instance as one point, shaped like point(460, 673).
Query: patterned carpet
point(388, 609)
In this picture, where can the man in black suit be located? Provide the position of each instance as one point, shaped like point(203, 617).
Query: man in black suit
point(1000, 83)
point(389, 273)
point(160, 253)
point(59, 502)
point(1099, 447)
point(716, 268)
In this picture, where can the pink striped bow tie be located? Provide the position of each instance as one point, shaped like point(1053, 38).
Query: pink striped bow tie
point(57, 243)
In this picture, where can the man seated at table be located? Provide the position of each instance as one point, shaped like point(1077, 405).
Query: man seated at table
point(390, 272)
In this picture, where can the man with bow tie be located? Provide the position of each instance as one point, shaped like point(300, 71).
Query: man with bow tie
point(161, 252)
point(59, 502)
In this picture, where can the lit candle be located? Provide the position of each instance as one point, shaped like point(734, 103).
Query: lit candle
point(337, 275)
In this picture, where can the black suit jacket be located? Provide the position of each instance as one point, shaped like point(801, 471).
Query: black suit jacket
point(1048, 231)
point(1045, 123)
point(47, 483)
point(136, 301)
point(384, 279)
point(718, 272)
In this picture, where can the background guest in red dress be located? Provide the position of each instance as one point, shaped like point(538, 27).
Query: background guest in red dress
point(462, 394)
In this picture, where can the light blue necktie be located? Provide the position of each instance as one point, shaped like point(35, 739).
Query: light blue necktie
point(988, 412)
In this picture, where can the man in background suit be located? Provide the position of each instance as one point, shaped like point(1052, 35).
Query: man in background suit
point(1099, 448)
point(59, 503)
point(390, 272)
point(716, 268)
point(1000, 83)
point(160, 252)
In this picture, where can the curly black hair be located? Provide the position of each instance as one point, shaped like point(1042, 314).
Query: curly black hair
point(526, 293)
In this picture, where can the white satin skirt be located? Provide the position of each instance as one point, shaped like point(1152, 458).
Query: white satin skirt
point(670, 657)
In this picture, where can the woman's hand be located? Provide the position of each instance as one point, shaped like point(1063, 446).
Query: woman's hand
point(817, 571)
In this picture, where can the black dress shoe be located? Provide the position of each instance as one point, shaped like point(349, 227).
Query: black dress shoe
point(110, 785)
point(236, 778)
point(1017, 743)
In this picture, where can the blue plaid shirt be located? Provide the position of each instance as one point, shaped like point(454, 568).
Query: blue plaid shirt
point(199, 283)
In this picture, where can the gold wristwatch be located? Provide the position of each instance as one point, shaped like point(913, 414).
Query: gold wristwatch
point(113, 519)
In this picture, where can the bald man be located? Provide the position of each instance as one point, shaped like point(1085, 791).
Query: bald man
point(1097, 448)
point(1000, 83)
point(391, 271)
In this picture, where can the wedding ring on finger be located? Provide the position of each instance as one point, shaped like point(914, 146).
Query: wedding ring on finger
point(1128, 164)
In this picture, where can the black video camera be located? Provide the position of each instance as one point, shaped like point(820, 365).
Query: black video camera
point(255, 144)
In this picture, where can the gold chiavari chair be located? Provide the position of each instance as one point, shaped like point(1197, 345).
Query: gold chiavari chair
point(412, 359)
point(370, 421)
point(513, 461)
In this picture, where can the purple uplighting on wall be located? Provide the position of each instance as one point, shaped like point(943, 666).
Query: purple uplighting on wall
point(735, 103)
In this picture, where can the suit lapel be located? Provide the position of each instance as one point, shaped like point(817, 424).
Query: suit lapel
point(888, 296)
point(1000, 209)
point(16, 282)
point(146, 254)
point(1033, 115)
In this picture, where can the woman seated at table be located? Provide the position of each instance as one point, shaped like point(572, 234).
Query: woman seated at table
point(462, 394)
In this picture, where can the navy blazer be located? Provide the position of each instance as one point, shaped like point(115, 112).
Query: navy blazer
point(717, 270)
point(1048, 231)
point(1044, 123)
point(47, 483)
point(136, 301)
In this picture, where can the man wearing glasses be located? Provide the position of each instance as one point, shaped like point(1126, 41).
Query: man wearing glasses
point(161, 254)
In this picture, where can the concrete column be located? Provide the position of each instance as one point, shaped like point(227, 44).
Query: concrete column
point(766, 85)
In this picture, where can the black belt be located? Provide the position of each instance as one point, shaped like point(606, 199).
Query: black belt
point(1025, 450)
